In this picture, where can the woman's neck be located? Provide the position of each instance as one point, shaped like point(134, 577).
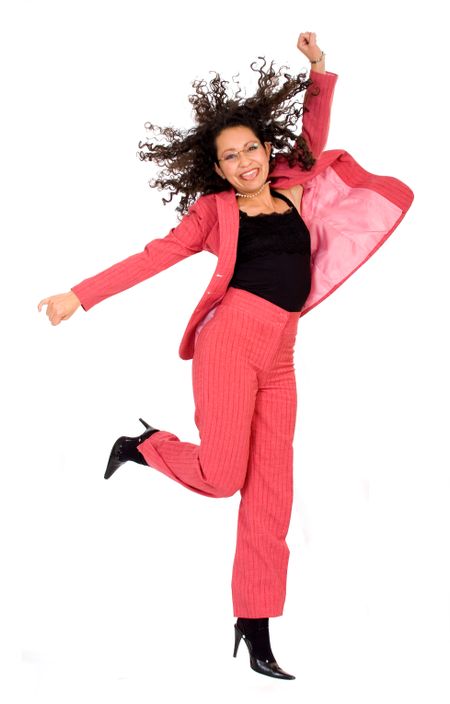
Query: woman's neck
point(263, 202)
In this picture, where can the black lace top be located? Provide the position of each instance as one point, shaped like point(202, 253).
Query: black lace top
point(273, 256)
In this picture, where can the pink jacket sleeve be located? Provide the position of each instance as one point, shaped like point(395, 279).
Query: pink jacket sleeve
point(316, 119)
point(183, 240)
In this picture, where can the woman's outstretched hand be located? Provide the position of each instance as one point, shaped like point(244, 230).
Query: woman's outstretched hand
point(307, 45)
point(60, 307)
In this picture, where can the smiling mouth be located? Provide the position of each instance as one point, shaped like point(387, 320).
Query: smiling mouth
point(249, 175)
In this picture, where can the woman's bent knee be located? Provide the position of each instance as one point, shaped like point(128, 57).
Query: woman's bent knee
point(224, 490)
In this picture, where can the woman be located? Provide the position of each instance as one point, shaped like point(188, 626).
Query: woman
point(288, 228)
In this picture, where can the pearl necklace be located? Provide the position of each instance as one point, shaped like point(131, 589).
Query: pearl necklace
point(253, 195)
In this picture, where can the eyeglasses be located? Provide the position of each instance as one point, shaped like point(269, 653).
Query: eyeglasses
point(232, 157)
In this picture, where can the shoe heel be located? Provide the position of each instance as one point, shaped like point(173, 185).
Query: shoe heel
point(237, 639)
point(264, 667)
point(146, 425)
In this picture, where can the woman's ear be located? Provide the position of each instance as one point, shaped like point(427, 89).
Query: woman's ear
point(218, 170)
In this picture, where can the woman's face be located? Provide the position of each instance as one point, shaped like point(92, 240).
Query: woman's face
point(251, 156)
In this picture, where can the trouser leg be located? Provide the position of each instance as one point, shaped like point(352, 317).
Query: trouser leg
point(224, 386)
point(262, 554)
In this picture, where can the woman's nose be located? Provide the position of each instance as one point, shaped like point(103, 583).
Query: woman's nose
point(244, 159)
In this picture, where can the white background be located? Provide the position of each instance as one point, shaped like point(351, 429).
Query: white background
point(119, 591)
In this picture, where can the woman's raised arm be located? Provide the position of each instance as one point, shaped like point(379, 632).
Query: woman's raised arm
point(318, 97)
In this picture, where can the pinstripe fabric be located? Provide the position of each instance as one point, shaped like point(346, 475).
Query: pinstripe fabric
point(348, 211)
point(245, 410)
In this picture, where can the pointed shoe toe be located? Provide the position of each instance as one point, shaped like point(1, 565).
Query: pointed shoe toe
point(271, 668)
point(116, 457)
point(125, 449)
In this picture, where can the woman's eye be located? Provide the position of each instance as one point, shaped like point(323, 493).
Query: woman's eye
point(230, 157)
point(253, 147)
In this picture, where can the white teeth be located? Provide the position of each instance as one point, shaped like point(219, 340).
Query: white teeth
point(250, 174)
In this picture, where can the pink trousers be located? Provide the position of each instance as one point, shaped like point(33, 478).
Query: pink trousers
point(245, 410)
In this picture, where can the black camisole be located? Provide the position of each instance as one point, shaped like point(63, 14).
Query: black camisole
point(273, 256)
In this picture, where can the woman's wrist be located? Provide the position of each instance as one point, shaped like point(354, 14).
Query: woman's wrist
point(319, 67)
point(318, 64)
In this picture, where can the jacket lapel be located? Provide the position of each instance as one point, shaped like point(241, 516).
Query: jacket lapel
point(228, 214)
point(348, 211)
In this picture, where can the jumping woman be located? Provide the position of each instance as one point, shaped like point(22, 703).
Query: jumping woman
point(288, 223)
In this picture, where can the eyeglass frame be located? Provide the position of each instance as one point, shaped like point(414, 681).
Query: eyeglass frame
point(238, 151)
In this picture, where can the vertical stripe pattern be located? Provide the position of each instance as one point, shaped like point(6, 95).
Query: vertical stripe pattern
point(245, 410)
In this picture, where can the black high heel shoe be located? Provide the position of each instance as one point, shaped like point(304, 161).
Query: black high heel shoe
point(272, 669)
point(125, 449)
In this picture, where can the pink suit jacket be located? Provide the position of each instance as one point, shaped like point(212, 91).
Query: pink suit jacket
point(349, 213)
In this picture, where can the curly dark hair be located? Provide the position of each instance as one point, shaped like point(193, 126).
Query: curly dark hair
point(190, 156)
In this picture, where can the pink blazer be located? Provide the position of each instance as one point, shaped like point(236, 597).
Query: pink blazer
point(349, 213)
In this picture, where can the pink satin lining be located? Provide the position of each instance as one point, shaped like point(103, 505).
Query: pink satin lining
point(346, 225)
point(204, 320)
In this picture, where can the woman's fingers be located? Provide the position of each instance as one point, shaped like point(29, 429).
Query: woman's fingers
point(43, 302)
point(60, 307)
point(307, 39)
